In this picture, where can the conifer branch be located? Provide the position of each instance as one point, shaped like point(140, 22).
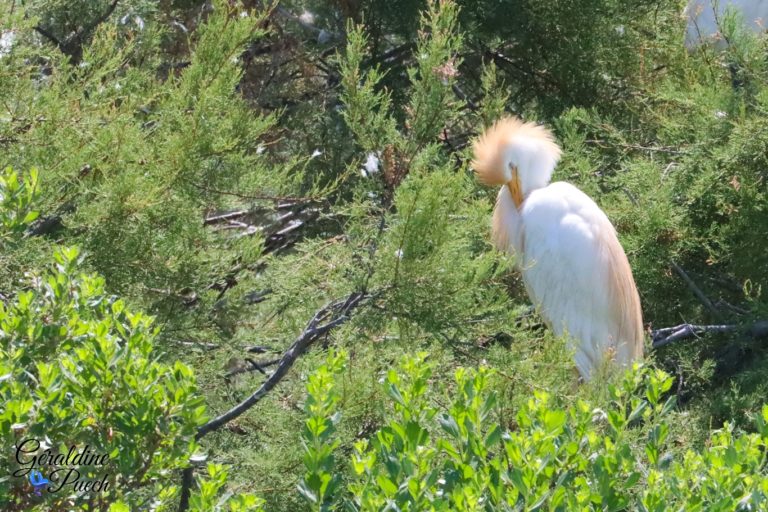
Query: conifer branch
point(72, 46)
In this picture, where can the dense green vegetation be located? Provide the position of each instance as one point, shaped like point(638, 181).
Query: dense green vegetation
point(240, 174)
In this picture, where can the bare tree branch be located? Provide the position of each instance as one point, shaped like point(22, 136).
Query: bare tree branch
point(667, 335)
point(333, 314)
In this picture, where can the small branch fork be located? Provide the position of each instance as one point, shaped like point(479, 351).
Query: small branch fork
point(334, 314)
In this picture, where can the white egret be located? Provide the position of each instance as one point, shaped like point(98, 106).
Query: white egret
point(573, 266)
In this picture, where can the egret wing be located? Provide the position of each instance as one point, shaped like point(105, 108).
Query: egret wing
point(578, 275)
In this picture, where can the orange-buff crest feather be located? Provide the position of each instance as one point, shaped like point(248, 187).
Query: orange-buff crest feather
point(489, 148)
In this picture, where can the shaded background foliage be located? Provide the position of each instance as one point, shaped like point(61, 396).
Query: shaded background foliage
point(230, 171)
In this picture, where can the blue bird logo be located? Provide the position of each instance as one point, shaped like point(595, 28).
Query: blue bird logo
point(38, 481)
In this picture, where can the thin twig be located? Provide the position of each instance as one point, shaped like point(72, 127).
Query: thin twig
point(695, 289)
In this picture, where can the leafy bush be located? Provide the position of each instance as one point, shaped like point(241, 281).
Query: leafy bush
point(77, 368)
point(580, 457)
point(17, 196)
point(209, 497)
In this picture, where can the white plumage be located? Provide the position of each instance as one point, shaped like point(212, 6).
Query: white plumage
point(571, 261)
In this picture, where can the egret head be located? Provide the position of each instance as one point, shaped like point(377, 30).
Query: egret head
point(517, 154)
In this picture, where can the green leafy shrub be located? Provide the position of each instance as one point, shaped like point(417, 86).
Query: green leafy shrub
point(579, 457)
point(210, 497)
point(320, 483)
point(17, 196)
point(77, 368)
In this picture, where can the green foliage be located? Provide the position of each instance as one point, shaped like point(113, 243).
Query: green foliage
point(77, 367)
point(209, 495)
point(61, 19)
point(367, 111)
point(433, 225)
point(574, 458)
point(207, 498)
point(134, 161)
point(431, 105)
point(319, 484)
point(17, 197)
point(352, 174)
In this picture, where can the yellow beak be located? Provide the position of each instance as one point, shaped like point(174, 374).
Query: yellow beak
point(515, 189)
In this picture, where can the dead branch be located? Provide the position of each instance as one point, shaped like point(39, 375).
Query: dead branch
point(213, 219)
point(333, 314)
point(338, 310)
point(667, 335)
point(279, 234)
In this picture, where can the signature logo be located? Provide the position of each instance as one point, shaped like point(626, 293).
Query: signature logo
point(74, 469)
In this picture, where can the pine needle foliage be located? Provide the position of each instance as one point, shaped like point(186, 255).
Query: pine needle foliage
point(133, 161)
